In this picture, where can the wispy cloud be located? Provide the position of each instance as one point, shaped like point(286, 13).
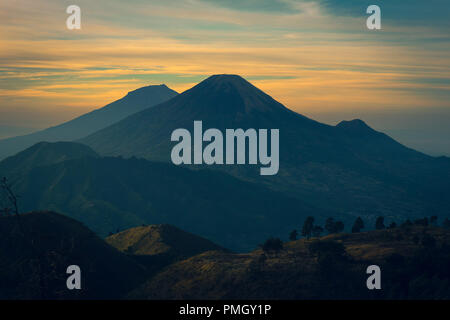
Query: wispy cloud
point(310, 55)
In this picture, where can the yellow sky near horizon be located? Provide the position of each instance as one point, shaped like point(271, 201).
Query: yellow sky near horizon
point(308, 59)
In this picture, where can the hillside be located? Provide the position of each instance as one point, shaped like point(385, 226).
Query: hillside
point(332, 267)
point(108, 194)
point(161, 239)
point(88, 123)
point(157, 246)
point(42, 154)
point(37, 248)
point(349, 169)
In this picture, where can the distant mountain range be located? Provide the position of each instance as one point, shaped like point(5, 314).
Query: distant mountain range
point(349, 168)
point(121, 175)
point(86, 124)
point(109, 193)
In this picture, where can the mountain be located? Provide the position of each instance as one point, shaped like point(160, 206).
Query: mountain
point(41, 154)
point(37, 248)
point(222, 101)
point(86, 124)
point(161, 239)
point(349, 169)
point(414, 263)
point(109, 193)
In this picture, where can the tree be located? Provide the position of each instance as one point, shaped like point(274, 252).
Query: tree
point(329, 225)
point(334, 226)
point(317, 231)
point(339, 227)
point(379, 224)
point(272, 245)
point(293, 235)
point(358, 225)
point(308, 226)
point(9, 196)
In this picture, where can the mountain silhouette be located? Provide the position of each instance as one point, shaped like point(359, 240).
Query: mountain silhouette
point(36, 249)
point(349, 168)
point(88, 123)
point(107, 194)
point(221, 101)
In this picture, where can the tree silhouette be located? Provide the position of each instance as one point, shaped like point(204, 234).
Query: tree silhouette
point(358, 225)
point(329, 225)
point(308, 227)
point(334, 226)
point(317, 231)
point(272, 245)
point(9, 196)
point(293, 235)
point(379, 224)
point(339, 227)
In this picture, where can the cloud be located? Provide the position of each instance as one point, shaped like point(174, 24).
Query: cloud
point(311, 55)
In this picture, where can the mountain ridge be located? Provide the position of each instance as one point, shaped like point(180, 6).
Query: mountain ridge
point(107, 193)
point(90, 122)
point(349, 167)
point(42, 154)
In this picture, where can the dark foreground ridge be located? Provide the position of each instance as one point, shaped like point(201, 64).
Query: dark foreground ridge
point(36, 248)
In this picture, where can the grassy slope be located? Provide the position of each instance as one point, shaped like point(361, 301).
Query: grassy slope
point(160, 239)
point(409, 270)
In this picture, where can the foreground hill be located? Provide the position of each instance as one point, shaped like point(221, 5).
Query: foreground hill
point(350, 168)
point(86, 124)
point(157, 246)
point(414, 261)
point(113, 193)
point(37, 248)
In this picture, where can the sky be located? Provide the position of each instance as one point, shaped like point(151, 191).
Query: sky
point(316, 57)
